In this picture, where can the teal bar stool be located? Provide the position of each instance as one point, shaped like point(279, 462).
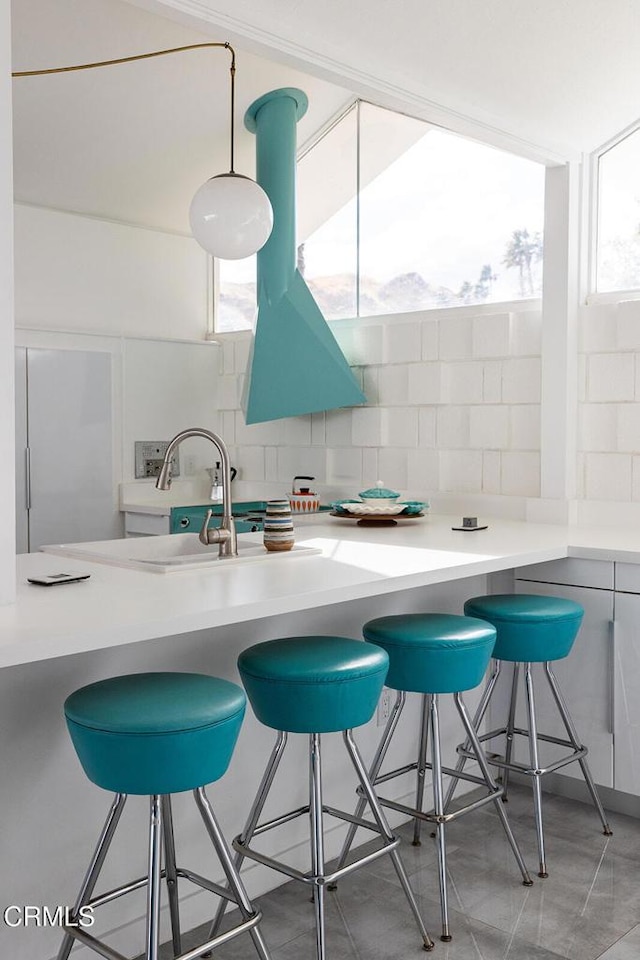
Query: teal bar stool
point(531, 629)
point(314, 686)
point(156, 734)
point(434, 654)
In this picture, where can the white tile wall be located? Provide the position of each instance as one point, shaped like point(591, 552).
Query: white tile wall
point(452, 406)
point(610, 377)
point(607, 476)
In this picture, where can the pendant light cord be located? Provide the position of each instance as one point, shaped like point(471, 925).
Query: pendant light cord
point(147, 56)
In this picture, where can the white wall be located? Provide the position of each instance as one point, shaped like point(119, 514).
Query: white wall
point(7, 483)
point(94, 276)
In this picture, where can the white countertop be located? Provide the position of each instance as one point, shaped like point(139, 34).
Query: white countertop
point(118, 606)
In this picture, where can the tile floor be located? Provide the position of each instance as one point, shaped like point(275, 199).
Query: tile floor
point(588, 908)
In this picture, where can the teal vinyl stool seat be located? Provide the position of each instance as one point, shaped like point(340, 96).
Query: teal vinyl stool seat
point(317, 685)
point(434, 654)
point(154, 734)
point(531, 629)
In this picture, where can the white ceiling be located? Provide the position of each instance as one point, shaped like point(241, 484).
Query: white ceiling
point(562, 74)
point(134, 142)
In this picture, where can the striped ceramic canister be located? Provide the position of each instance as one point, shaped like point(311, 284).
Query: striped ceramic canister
point(278, 525)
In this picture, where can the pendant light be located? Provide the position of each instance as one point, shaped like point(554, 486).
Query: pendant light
point(230, 215)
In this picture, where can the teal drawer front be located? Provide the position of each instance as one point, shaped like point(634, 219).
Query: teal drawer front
point(190, 519)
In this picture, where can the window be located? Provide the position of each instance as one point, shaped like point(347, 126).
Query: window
point(397, 215)
point(618, 246)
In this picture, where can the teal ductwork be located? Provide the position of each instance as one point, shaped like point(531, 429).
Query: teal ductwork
point(296, 366)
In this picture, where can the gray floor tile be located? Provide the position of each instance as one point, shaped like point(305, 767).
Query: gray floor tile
point(627, 948)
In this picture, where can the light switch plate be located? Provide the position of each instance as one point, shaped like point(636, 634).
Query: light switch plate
point(149, 455)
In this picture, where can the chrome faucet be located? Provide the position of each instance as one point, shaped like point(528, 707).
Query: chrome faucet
point(225, 534)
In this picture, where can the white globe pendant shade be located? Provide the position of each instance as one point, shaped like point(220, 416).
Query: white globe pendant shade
point(231, 216)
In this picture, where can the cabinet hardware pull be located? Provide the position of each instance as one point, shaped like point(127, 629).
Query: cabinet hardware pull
point(612, 676)
point(27, 477)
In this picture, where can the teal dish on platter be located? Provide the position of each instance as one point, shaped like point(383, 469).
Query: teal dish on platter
point(413, 507)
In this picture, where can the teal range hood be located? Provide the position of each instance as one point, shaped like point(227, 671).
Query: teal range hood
point(295, 365)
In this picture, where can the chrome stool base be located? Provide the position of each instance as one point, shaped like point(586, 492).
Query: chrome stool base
point(318, 878)
point(430, 724)
point(161, 837)
point(506, 763)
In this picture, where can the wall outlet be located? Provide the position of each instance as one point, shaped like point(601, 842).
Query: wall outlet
point(384, 707)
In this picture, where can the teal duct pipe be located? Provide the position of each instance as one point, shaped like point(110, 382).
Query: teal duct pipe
point(296, 366)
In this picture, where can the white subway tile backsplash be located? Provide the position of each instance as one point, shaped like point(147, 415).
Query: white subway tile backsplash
point(526, 334)
point(227, 356)
point(296, 431)
point(338, 428)
point(525, 427)
point(242, 347)
point(488, 427)
point(392, 467)
point(635, 478)
point(607, 476)
point(452, 427)
point(423, 472)
point(271, 463)
point(318, 432)
point(250, 463)
point(461, 471)
point(301, 461)
point(370, 471)
point(257, 433)
point(490, 335)
point(370, 384)
point(344, 467)
point(520, 474)
point(430, 339)
point(521, 380)
point(610, 377)
point(628, 417)
point(228, 398)
point(393, 384)
point(462, 382)
point(491, 471)
point(425, 383)
point(400, 427)
point(402, 343)
point(456, 338)
point(628, 325)
point(366, 430)
point(582, 378)
point(228, 428)
point(597, 328)
point(492, 381)
point(427, 426)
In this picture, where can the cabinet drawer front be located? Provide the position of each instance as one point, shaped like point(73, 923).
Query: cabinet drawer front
point(146, 523)
point(574, 572)
point(628, 577)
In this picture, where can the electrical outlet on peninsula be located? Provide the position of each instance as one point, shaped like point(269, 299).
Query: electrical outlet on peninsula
point(384, 707)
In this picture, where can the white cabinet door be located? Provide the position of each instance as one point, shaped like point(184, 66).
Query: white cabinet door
point(626, 693)
point(585, 677)
point(69, 425)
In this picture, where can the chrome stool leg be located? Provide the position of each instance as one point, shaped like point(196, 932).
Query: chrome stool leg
point(535, 769)
point(422, 766)
point(234, 882)
point(511, 722)
point(573, 737)
point(381, 820)
point(492, 785)
point(378, 760)
point(317, 840)
point(477, 720)
point(254, 814)
point(93, 872)
point(171, 872)
point(438, 809)
point(154, 874)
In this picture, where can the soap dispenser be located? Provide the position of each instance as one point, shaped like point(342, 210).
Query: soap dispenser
point(215, 475)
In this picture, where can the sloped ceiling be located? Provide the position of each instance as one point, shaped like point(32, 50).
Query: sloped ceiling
point(557, 73)
point(133, 143)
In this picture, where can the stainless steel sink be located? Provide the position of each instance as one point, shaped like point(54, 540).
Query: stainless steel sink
point(166, 554)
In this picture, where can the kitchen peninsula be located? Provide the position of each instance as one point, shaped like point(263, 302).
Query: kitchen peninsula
point(54, 640)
